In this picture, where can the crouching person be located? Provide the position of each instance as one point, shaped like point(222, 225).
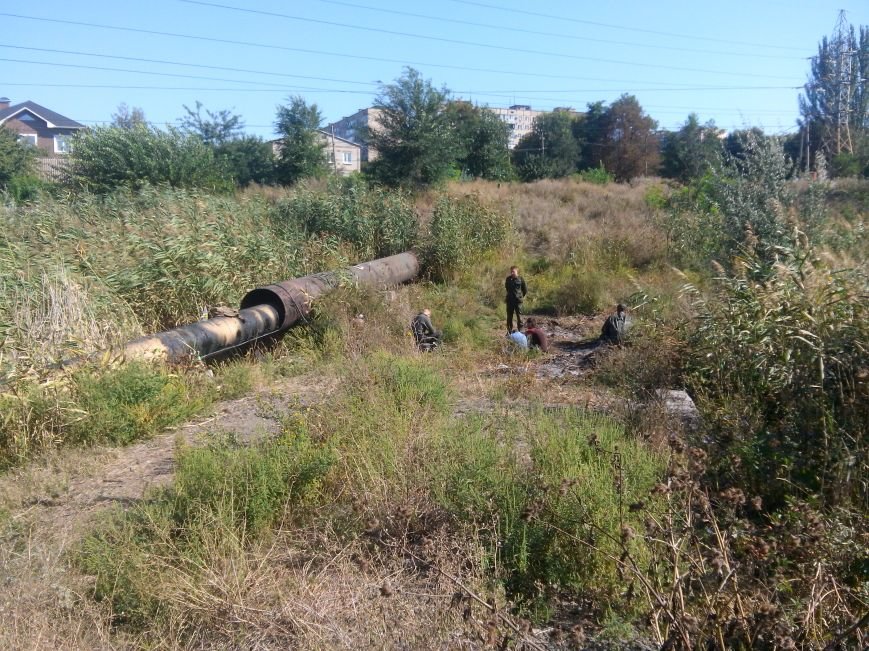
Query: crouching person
point(424, 333)
point(536, 337)
point(616, 326)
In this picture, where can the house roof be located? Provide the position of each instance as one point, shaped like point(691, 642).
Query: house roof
point(52, 119)
point(339, 138)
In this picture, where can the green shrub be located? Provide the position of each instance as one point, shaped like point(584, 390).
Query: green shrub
point(246, 487)
point(25, 188)
point(376, 221)
point(462, 229)
point(597, 175)
point(132, 402)
point(777, 358)
point(106, 158)
point(553, 520)
point(16, 158)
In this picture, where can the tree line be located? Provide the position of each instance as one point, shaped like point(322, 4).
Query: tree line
point(425, 136)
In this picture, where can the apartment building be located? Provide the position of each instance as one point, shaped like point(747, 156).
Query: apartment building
point(352, 129)
point(520, 118)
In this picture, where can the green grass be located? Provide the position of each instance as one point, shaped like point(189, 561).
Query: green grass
point(539, 488)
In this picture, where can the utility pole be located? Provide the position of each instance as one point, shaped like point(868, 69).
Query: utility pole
point(334, 159)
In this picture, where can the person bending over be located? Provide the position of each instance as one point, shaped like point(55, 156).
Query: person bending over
point(424, 332)
point(536, 337)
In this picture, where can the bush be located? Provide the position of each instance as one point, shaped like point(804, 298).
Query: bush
point(553, 520)
point(16, 158)
point(92, 406)
point(779, 360)
point(461, 230)
point(133, 402)
point(597, 175)
point(377, 222)
point(106, 158)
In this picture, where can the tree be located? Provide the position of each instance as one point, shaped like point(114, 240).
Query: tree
point(214, 129)
point(248, 159)
point(302, 146)
point(16, 158)
point(630, 145)
point(127, 118)
point(736, 143)
point(691, 151)
point(415, 139)
point(481, 138)
point(550, 149)
point(834, 107)
point(589, 129)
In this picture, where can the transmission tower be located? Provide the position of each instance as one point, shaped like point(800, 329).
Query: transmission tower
point(843, 56)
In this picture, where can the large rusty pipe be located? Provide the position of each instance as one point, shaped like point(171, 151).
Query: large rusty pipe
point(268, 310)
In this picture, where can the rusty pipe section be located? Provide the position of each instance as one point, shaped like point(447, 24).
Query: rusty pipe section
point(268, 310)
point(292, 298)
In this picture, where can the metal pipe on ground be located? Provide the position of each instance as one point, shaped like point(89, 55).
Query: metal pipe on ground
point(268, 310)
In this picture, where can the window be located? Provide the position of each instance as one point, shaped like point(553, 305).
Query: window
point(26, 117)
point(27, 139)
point(62, 144)
point(348, 157)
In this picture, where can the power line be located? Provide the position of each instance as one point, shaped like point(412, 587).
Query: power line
point(622, 27)
point(285, 48)
point(189, 65)
point(364, 92)
point(520, 30)
point(492, 93)
point(501, 48)
point(156, 74)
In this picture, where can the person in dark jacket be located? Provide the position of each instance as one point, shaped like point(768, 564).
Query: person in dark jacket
point(515, 288)
point(424, 332)
point(616, 326)
point(536, 337)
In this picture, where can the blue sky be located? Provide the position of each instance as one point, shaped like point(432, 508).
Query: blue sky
point(739, 63)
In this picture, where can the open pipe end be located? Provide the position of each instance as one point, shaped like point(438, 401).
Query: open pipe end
point(274, 296)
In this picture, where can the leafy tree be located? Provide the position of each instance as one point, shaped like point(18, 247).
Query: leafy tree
point(302, 146)
point(415, 139)
point(752, 195)
point(127, 118)
point(737, 143)
point(691, 151)
point(482, 138)
point(630, 146)
point(105, 158)
point(215, 128)
point(550, 149)
point(16, 158)
point(248, 159)
point(835, 103)
point(589, 129)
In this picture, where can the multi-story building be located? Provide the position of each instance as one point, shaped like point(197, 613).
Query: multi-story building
point(520, 118)
point(353, 127)
point(343, 156)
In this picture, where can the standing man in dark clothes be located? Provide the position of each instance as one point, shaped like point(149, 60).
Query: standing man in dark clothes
point(516, 290)
point(536, 337)
point(424, 332)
